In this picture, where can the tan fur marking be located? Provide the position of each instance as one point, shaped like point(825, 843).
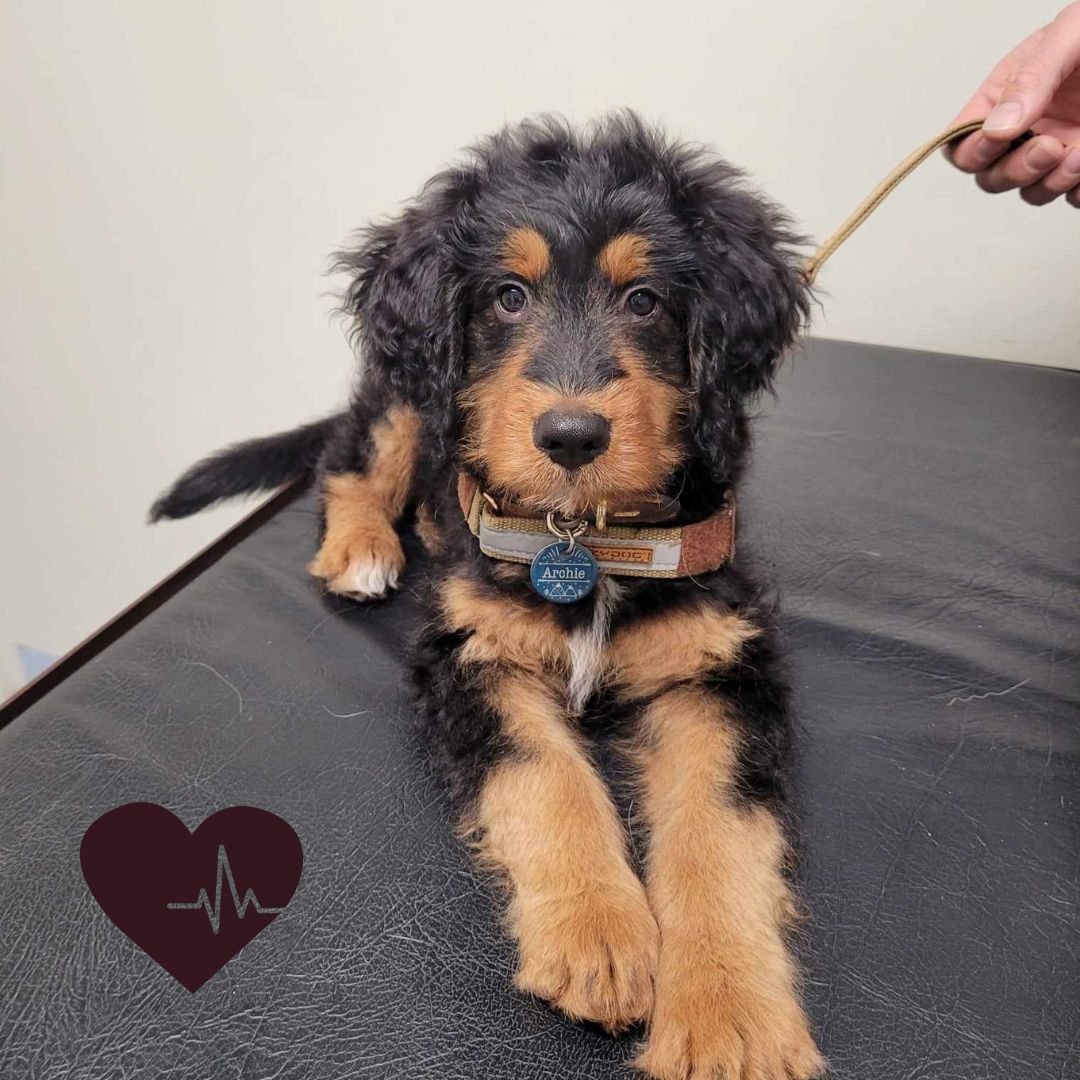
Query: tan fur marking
point(503, 630)
point(526, 252)
point(652, 654)
point(361, 553)
point(586, 937)
point(726, 1004)
point(642, 660)
point(427, 528)
point(646, 444)
point(624, 258)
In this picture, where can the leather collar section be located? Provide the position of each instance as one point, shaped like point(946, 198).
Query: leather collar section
point(645, 550)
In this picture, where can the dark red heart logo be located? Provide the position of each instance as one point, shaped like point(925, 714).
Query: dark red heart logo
point(192, 900)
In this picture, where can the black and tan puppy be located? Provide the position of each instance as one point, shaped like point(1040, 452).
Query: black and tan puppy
point(559, 339)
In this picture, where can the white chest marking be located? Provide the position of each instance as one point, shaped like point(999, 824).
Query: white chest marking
point(587, 646)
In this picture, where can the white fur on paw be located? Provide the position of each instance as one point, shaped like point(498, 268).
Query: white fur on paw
point(368, 580)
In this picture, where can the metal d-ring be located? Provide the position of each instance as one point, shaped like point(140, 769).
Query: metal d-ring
point(566, 530)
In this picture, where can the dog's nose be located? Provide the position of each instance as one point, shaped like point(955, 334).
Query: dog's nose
point(571, 439)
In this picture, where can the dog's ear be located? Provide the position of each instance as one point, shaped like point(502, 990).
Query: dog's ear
point(752, 297)
point(406, 303)
point(749, 302)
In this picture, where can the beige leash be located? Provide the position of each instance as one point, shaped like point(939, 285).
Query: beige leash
point(881, 192)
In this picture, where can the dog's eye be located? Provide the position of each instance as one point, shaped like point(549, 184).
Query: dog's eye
point(512, 299)
point(642, 302)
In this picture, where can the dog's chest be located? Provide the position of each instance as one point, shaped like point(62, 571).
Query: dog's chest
point(587, 646)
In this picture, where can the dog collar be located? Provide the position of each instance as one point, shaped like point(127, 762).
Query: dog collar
point(648, 550)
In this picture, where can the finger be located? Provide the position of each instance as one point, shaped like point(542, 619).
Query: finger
point(1029, 88)
point(1073, 198)
point(1055, 183)
point(976, 153)
point(1022, 167)
point(1024, 99)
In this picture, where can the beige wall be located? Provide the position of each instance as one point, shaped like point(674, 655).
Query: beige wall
point(175, 174)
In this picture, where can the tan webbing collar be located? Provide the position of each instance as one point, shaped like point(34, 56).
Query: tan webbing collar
point(651, 551)
point(881, 192)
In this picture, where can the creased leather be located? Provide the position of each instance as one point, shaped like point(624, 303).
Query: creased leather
point(918, 513)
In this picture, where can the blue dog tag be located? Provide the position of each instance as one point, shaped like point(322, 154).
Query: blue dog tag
point(564, 574)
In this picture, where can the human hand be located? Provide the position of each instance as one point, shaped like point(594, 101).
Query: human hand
point(1037, 87)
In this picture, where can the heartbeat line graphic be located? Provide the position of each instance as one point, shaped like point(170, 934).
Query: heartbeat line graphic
point(213, 911)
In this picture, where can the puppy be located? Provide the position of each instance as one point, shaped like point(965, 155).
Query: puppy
point(559, 339)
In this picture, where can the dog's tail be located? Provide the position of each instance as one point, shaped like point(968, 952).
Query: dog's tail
point(245, 468)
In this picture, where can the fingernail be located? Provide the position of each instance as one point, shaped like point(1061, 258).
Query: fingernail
point(1042, 157)
point(1071, 164)
point(1005, 117)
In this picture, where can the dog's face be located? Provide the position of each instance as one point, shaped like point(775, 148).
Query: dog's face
point(577, 370)
point(583, 315)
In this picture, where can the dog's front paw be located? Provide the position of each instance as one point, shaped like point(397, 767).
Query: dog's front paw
point(591, 955)
point(364, 562)
point(709, 1024)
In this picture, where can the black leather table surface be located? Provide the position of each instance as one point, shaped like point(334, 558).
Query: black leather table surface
point(919, 515)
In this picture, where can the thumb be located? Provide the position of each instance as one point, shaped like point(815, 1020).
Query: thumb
point(1026, 94)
